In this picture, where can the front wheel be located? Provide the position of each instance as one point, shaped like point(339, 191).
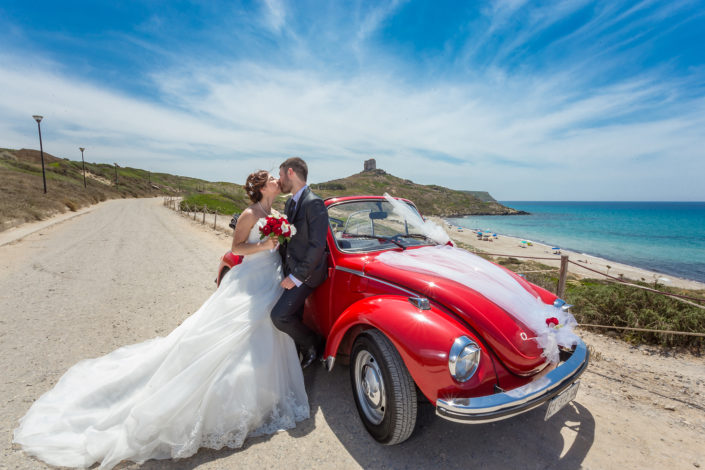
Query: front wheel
point(384, 391)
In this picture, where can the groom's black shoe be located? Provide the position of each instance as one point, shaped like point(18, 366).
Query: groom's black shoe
point(309, 356)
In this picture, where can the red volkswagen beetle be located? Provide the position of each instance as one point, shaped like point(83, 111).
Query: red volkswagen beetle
point(406, 333)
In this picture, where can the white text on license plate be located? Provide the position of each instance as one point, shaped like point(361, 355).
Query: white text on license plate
point(562, 399)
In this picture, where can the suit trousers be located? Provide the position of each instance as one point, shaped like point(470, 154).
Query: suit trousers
point(287, 316)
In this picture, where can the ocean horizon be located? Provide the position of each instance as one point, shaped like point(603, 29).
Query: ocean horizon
point(666, 237)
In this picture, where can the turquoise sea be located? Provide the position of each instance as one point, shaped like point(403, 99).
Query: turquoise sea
point(668, 237)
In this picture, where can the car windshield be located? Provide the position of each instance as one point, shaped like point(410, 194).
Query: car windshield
point(375, 224)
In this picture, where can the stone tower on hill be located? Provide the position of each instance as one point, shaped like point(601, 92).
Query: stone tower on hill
point(370, 165)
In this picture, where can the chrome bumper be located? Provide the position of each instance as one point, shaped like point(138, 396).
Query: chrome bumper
point(513, 402)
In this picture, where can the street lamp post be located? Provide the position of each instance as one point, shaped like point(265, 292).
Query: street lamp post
point(41, 150)
point(83, 162)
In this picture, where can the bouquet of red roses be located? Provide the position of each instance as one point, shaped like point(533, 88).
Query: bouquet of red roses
point(276, 227)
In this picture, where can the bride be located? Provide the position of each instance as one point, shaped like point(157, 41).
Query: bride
point(224, 374)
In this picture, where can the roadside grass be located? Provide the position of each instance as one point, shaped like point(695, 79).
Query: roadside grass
point(601, 302)
point(22, 197)
point(224, 204)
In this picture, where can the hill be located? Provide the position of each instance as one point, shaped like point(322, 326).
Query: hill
point(481, 195)
point(22, 197)
point(430, 199)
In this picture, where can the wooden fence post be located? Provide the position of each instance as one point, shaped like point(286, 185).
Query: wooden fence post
point(215, 219)
point(204, 215)
point(563, 274)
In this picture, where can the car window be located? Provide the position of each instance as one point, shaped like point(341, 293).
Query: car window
point(372, 225)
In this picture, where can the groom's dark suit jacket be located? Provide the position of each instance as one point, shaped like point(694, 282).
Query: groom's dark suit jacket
point(304, 256)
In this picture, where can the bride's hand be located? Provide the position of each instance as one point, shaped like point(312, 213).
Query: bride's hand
point(269, 243)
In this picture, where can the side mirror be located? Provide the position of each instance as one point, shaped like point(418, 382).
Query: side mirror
point(233, 221)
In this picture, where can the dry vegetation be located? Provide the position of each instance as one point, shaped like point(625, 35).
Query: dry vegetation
point(22, 197)
point(607, 303)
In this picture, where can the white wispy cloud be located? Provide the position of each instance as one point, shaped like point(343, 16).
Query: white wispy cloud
point(561, 132)
point(275, 17)
point(372, 19)
point(247, 116)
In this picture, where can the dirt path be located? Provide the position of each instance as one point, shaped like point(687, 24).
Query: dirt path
point(131, 269)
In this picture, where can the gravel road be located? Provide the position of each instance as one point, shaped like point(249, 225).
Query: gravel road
point(129, 270)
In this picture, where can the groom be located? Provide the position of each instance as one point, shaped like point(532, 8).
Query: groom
point(303, 257)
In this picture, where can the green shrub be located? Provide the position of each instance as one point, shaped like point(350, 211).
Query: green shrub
point(219, 202)
point(604, 303)
point(607, 303)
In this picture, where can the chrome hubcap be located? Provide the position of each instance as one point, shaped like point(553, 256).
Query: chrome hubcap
point(369, 387)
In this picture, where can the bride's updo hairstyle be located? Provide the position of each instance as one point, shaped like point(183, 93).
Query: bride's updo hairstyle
point(254, 184)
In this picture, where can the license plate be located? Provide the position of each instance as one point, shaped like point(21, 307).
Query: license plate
point(562, 399)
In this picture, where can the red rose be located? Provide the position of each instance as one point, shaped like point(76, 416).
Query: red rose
point(273, 227)
point(552, 321)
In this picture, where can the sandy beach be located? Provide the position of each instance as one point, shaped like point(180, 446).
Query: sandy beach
point(511, 246)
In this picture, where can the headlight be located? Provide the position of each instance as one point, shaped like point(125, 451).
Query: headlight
point(463, 359)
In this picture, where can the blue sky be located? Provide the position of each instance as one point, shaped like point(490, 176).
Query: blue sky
point(574, 100)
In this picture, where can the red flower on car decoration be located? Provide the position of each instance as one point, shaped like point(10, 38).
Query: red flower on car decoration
point(277, 227)
point(553, 321)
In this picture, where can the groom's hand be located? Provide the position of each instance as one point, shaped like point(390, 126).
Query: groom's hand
point(287, 283)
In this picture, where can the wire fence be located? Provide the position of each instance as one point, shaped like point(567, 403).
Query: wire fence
point(218, 221)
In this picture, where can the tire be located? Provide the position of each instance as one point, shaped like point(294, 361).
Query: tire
point(384, 392)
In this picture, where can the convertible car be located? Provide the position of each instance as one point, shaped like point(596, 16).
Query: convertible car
point(415, 330)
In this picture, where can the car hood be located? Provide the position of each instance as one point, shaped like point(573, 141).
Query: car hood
point(509, 338)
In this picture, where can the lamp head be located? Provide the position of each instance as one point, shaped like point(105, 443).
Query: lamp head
point(81, 149)
point(37, 117)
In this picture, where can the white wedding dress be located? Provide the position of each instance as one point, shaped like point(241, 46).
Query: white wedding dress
point(224, 374)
